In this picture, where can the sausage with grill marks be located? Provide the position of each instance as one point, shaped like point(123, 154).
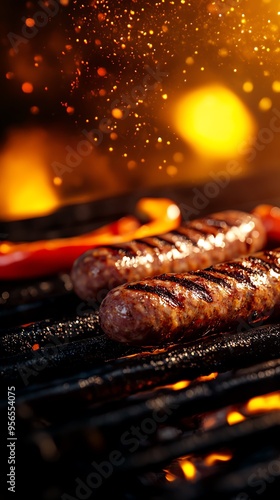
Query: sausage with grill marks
point(195, 245)
point(173, 307)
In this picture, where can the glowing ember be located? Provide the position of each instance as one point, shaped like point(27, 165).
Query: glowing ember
point(170, 477)
point(266, 403)
point(217, 457)
point(234, 417)
point(204, 378)
point(188, 469)
point(178, 385)
point(182, 384)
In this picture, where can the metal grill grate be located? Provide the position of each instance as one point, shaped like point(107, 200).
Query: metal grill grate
point(87, 400)
point(98, 419)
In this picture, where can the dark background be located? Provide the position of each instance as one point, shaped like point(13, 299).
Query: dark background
point(68, 78)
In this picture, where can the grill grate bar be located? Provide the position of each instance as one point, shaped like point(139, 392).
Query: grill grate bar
point(253, 433)
point(21, 340)
point(126, 376)
point(251, 476)
point(201, 397)
point(36, 299)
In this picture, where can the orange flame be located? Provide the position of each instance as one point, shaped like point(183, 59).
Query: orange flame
point(26, 185)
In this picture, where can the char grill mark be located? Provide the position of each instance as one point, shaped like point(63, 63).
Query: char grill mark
point(272, 258)
point(262, 264)
point(213, 278)
point(161, 291)
point(219, 223)
point(238, 273)
point(224, 223)
point(206, 233)
point(242, 274)
point(197, 288)
point(184, 236)
point(127, 250)
point(164, 241)
point(146, 243)
point(193, 245)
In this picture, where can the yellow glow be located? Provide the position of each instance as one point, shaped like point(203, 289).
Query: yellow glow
point(265, 403)
point(178, 157)
point(276, 86)
point(117, 113)
point(171, 170)
point(180, 385)
point(248, 87)
point(4, 248)
point(223, 52)
point(234, 417)
point(188, 469)
point(217, 457)
point(57, 181)
point(214, 121)
point(190, 61)
point(27, 186)
point(265, 104)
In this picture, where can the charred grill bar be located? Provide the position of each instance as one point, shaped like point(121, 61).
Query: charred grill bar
point(68, 419)
point(127, 370)
point(150, 431)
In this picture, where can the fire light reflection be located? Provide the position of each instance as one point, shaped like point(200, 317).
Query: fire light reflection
point(268, 402)
point(188, 469)
point(220, 57)
point(26, 188)
point(183, 384)
point(214, 121)
point(193, 467)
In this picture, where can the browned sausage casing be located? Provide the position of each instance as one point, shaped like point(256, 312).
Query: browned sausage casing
point(196, 245)
point(173, 307)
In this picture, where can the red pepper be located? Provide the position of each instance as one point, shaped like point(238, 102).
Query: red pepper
point(270, 216)
point(45, 257)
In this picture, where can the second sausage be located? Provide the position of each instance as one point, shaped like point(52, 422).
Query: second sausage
point(195, 245)
point(173, 307)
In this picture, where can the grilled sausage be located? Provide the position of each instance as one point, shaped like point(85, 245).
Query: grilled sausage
point(196, 245)
point(173, 307)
